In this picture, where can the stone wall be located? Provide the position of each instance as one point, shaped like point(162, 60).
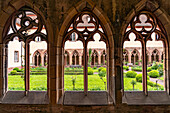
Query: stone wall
point(57, 14)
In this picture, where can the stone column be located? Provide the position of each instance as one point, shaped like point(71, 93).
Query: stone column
point(70, 59)
point(103, 59)
point(160, 58)
point(80, 60)
point(99, 60)
point(150, 58)
point(155, 57)
point(129, 58)
point(139, 60)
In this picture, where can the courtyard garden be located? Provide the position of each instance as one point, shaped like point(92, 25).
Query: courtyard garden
point(73, 78)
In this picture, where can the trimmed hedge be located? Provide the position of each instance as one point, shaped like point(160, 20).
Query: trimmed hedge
point(126, 68)
point(152, 84)
point(100, 68)
point(138, 68)
point(153, 74)
point(139, 77)
point(73, 73)
point(131, 74)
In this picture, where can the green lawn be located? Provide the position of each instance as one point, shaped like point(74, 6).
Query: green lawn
point(37, 82)
point(138, 87)
point(94, 82)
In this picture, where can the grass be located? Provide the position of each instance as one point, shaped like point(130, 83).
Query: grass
point(138, 87)
point(37, 82)
point(94, 82)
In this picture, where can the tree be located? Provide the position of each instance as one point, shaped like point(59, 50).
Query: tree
point(102, 74)
point(89, 60)
point(73, 81)
point(133, 83)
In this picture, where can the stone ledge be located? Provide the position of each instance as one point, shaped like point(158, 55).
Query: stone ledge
point(153, 98)
point(92, 98)
point(18, 97)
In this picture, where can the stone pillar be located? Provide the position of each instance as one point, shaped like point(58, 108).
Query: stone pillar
point(129, 58)
point(103, 59)
point(160, 58)
point(99, 60)
point(70, 59)
point(80, 60)
point(150, 58)
point(139, 60)
point(134, 60)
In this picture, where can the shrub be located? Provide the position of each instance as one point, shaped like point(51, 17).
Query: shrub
point(136, 63)
point(102, 74)
point(154, 66)
point(138, 68)
point(17, 69)
point(126, 68)
point(95, 67)
point(131, 74)
point(90, 71)
point(13, 72)
point(139, 77)
point(100, 68)
point(154, 73)
point(149, 69)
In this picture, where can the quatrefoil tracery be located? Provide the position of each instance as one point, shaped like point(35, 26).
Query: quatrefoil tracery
point(85, 25)
point(143, 25)
point(25, 24)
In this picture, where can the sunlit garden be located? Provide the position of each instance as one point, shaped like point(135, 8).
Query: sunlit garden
point(133, 77)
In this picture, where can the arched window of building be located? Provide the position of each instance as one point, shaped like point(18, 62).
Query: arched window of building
point(45, 58)
point(155, 55)
point(66, 58)
point(144, 26)
point(37, 59)
point(94, 58)
point(125, 56)
point(75, 58)
point(26, 26)
point(135, 57)
point(90, 36)
point(103, 58)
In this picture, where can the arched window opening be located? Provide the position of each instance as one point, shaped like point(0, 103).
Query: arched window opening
point(94, 58)
point(27, 27)
point(75, 58)
point(125, 57)
point(132, 63)
point(66, 58)
point(149, 32)
point(155, 56)
point(37, 59)
point(89, 32)
point(45, 59)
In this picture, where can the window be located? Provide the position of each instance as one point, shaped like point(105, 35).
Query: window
point(144, 38)
point(25, 28)
point(16, 56)
point(85, 55)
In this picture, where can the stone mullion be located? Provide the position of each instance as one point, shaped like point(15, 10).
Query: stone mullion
point(70, 59)
point(58, 85)
point(144, 68)
point(103, 59)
